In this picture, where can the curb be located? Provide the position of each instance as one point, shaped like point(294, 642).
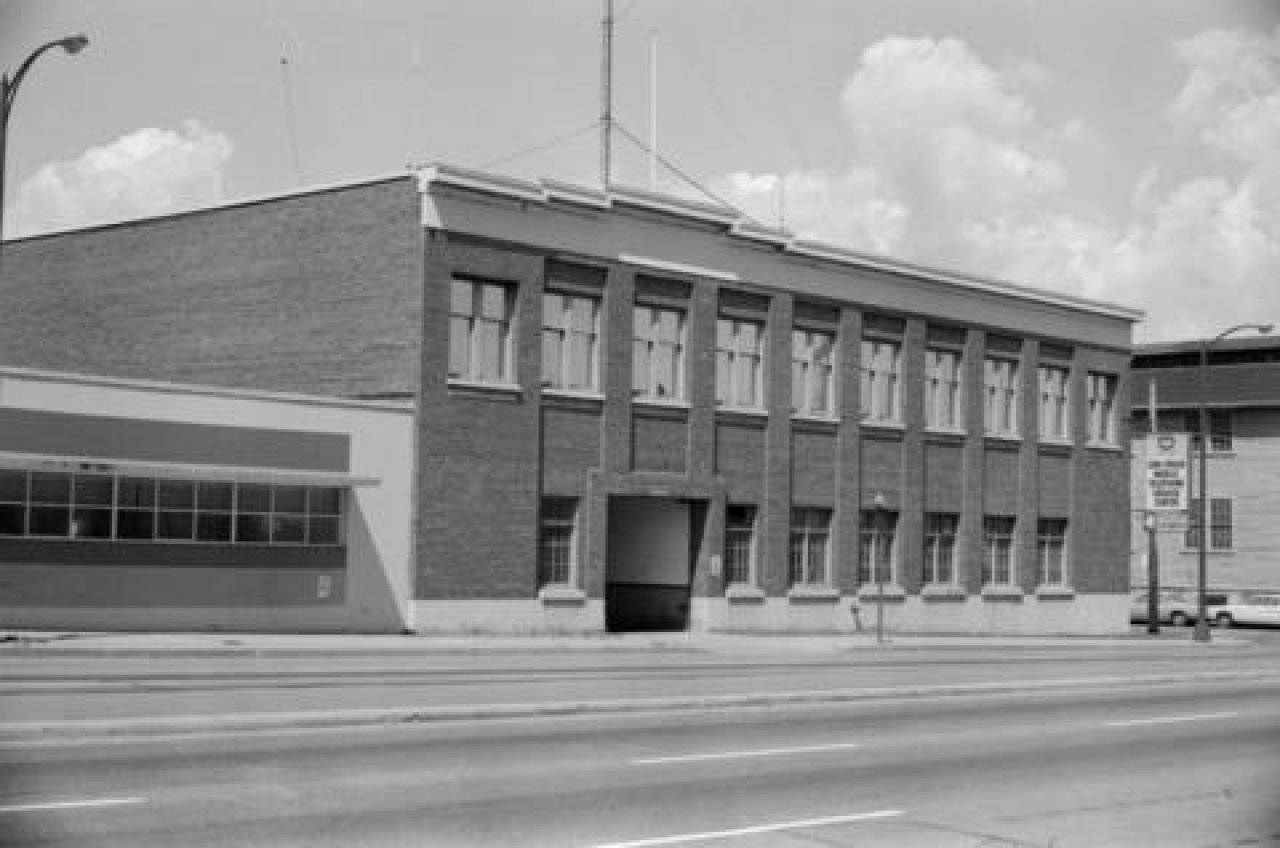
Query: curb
point(151, 726)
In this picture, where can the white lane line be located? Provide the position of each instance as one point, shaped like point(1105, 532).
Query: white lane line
point(681, 838)
point(69, 805)
point(1135, 722)
point(733, 755)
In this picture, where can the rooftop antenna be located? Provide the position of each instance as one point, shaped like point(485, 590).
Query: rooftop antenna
point(653, 111)
point(606, 96)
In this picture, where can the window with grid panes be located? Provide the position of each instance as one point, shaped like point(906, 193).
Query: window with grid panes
point(657, 354)
point(810, 537)
point(1000, 395)
point(739, 542)
point(1100, 390)
point(555, 541)
point(570, 341)
point(813, 372)
point(1054, 412)
point(940, 548)
point(881, 381)
point(1051, 552)
point(876, 546)
point(740, 363)
point(997, 551)
point(1221, 531)
point(943, 398)
point(480, 315)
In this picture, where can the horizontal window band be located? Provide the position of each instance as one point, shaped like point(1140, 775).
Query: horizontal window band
point(182, 471)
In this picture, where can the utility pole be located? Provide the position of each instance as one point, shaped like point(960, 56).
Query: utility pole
point(1152, 523)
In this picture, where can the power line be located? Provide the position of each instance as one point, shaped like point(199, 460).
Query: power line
point(537, 148)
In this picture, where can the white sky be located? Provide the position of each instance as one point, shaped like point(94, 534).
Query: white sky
point(1126, 150)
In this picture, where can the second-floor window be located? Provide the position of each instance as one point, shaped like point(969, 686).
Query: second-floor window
point(480, 331)
point(812, 372)
point(1101, 391)
point(1054, 417)
point(570, 342)
point(943, 400)
point(658, 346)
point(1000, 402)
point(1220, 526)
point(740, 363)
point(881, 381)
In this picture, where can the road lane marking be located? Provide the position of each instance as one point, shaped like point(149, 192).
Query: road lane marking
point(800, 824)
point(733, 755)
point(69, 805)
point(1135, 722)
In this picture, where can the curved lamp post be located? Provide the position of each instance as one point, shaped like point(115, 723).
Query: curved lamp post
point(1201, 633)
point(9, 89)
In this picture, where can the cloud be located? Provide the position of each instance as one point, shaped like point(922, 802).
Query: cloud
point(147, 172)
point(951, 166)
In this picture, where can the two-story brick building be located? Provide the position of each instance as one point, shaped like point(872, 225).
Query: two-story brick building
point(630, 411)
point(1242, 396)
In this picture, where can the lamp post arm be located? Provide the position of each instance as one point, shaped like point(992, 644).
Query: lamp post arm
point(11, 89)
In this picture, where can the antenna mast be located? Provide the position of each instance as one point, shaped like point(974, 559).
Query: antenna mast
point(606, 96)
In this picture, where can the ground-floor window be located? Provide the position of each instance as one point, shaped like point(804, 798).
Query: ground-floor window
point(1220, 526)
point(876, 549)
point(1051, 552)
point(997, 550)
point(940, 548)
point(739, 542)
point(96, 506)
point(810, 537)
point(555, 541)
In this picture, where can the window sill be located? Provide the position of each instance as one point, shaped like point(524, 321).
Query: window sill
point(1226, 552)
point(1003, 438)
point(560, 595)
point(506, 391)
point(938, 435)
point(1109, 447)
point(572, 394)
point(743, 593)
point(892, 593)
point(659, 403)
point(1010, 594)
point(1061, 444)
point(939, 592)
point(877, 424)
point(825, 420)
point(744, 412)
point(813, 595)
point(1055, 593)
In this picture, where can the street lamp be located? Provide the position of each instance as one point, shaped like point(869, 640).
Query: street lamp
point(878, 535)
point(1201, 633)
point(9, 89)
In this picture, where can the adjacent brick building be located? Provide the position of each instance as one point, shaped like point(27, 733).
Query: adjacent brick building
point(637, 412)
point(1242, 394)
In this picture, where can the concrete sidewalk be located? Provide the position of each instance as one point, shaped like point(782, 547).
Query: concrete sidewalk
point(70, 643)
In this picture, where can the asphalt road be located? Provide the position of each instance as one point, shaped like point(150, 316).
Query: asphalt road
point(1158, 765)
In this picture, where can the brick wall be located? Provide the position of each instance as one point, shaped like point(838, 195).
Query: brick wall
point(315, 293)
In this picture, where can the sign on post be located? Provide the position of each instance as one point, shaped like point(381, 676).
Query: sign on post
point(1168, 471)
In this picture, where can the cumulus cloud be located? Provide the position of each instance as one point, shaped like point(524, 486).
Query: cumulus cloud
point(952, 166)
point(147, 172)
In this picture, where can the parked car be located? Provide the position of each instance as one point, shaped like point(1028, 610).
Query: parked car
point(1257, 609)
point(1176, 607)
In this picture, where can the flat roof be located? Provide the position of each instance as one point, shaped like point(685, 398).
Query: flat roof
point(733, 223)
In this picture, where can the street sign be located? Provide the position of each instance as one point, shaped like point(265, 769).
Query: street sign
point(1168, 471)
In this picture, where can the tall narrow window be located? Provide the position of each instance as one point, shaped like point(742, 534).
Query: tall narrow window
point(877, 544)
point(1051, 552)
point(570, 342)
point(480, 331)
point(810, 534)
point(1221, 535)
point(739, 542)
point(997, 558)
point(658, 353)
point(1102, 408)
point(943, 398)
point(740, 363)
point(555, 541)
point(813, 372)
point(1054, 415)
point(1000, 385)
point(940, 548)
point(882, 381)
